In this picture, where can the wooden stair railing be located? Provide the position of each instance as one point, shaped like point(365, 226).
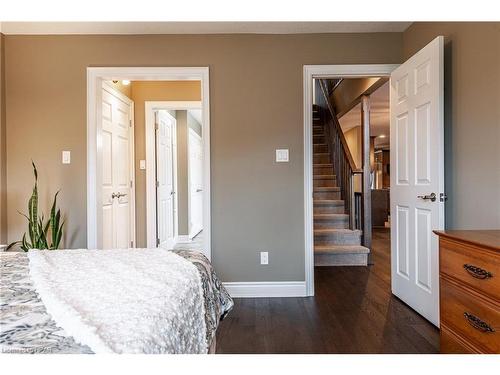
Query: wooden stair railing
point(345, 168)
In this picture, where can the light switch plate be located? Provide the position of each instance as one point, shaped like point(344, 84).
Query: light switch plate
point(66, 157)
point(282, 155)
point(142, 164)
point(264, 257)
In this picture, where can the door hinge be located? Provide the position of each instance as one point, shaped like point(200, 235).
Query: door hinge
point(156, 126)
point(157, 242)
point(443, 197)
point(131, 243)
point(131, 185)
point(130, 123)
point(157, 184)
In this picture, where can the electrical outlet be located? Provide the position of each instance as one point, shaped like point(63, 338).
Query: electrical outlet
point(264, 257)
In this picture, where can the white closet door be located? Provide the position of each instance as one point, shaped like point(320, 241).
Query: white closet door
point(165, 179)
point(117, 212)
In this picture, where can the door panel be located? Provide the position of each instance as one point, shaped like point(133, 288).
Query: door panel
point(165, 179)
point(417, 138)
point(116, 163)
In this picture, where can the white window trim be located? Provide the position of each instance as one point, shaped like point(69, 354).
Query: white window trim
point(311, 72)
point(95, 77)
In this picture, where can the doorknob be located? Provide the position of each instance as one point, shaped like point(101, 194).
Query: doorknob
point(431, 197)
point(118, 195)
point(198, 190)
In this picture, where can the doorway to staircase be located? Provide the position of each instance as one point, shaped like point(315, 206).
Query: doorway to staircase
point(338, 211)
point(347, 207)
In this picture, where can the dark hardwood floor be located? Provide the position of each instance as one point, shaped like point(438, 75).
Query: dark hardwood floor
point(353, 312)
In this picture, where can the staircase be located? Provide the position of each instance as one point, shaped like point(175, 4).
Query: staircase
point(334, 243)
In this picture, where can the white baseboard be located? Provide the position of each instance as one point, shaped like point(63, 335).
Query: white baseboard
point(266, 289)
point(182, 239)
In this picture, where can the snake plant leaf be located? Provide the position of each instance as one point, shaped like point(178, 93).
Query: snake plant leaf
point(47, 226)
point(42, 242)
point(25, 245)
point(59, 236)
point(54, 221)
point(34, 170)
point(12, 245)
point(33, 209)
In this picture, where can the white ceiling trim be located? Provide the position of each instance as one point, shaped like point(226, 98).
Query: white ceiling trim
point(55, 28)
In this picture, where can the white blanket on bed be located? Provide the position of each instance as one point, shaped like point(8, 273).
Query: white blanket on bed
point(123, 301)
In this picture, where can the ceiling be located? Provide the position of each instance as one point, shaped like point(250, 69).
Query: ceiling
point(379, 116)
point(44, 28)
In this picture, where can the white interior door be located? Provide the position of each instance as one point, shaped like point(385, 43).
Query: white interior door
point(417, 162)
point(195, 183)
point(117, 176)
point(165, 124)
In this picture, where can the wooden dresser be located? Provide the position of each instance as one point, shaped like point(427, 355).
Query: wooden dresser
point(469, 269)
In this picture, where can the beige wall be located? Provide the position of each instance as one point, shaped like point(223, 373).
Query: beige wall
point(3, 155)
point(182, 172)
point(472, 118)
point(256, 106)
point(142, 91)
point(124, 89)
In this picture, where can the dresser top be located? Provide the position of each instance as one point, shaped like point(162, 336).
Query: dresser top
point(484, 238)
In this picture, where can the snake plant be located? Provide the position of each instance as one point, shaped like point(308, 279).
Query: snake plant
point(39, 229)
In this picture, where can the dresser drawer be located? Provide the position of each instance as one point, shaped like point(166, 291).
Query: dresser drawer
point(450, 343)
point(475, 319)
point(478, 268)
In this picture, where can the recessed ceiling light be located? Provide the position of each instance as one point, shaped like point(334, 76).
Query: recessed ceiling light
point(126, 82)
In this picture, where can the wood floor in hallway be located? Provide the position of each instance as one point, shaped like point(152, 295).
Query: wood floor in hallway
point(353, 312)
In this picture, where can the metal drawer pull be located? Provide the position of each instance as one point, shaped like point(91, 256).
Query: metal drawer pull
point(477, 272)
point(478, 323)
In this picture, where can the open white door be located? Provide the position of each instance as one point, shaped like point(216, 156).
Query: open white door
point(417, 178)
point(195, 183)
point(165, 124)
point(118, 215)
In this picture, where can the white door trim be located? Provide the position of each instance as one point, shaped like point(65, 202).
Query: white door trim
point(149, 108)
point(309, 73)
point(95, 76)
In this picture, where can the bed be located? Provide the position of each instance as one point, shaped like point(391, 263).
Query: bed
point(145, 301)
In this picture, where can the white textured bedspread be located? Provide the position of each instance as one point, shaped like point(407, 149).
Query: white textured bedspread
point(123, 301)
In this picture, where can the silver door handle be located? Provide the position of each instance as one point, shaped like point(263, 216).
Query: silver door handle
point(198, 190)
point(118, 195)
point(172, 192)
point(431, 197)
